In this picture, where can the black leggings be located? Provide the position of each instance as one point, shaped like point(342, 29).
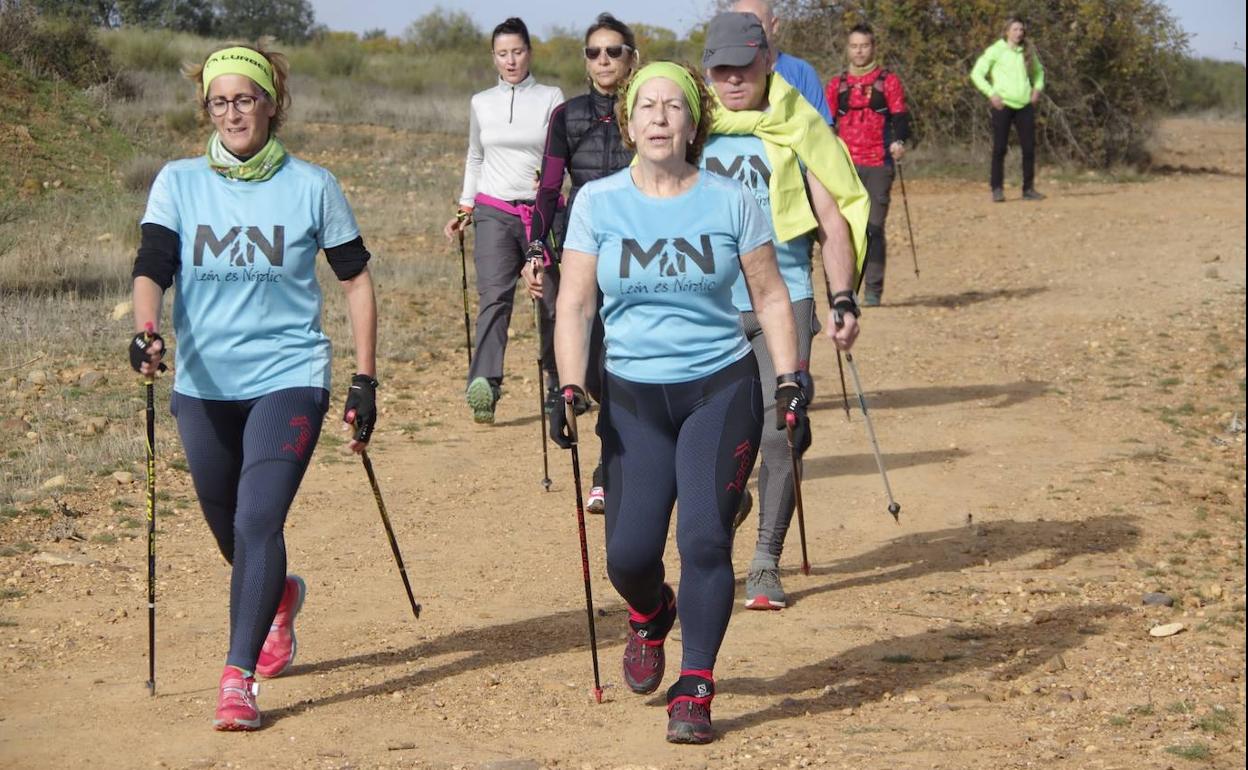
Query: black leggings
point(247, 459)
point(1025, 121)
point(692, 444)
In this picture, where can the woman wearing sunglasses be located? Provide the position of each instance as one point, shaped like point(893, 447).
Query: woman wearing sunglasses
point(506, 131)
point(583, 142)
point(238, 230)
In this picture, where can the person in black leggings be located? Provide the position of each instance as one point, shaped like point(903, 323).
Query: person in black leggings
point(237, 232)
point(682, 410)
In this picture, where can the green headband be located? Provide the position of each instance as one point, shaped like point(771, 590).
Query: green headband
point(240, 61)
point(673, 72)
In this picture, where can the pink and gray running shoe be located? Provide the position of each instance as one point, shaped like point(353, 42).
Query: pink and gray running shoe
point(236, 702)
point(280, 645)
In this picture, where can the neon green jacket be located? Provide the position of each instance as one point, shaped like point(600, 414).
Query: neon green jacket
point(1002, 70)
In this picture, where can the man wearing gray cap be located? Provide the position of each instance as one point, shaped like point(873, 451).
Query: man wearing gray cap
point(798, 72)
point(770, 139)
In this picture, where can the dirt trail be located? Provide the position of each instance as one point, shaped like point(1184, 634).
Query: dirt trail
point(1052, 398)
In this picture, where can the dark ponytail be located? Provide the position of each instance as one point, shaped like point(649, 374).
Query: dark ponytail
point(512, 26)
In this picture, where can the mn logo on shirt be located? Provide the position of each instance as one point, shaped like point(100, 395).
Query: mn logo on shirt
point(239, 245)
point(750, 170)
point(672, 262)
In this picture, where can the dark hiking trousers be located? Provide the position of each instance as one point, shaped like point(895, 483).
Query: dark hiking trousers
point(879, 183)
point(1024, 121)
point(246, 460)
point(498, 254)
point(691, 444)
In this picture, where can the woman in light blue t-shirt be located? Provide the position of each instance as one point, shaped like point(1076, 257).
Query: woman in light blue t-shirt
point(237, 231)
point(682, 405)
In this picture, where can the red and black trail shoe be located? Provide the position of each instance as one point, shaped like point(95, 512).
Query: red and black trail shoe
point(643, 655)
point(689, 708)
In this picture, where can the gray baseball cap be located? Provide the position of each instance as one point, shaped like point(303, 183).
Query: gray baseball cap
point(733, 40)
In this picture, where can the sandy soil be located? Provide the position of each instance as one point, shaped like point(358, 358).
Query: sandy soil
point(1056, 400)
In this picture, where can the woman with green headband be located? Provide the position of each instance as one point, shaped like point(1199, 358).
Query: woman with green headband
point(768, 137)
point(681, 412)
point(237, 230)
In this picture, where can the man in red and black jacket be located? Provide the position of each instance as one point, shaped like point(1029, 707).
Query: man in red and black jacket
point(869, 113)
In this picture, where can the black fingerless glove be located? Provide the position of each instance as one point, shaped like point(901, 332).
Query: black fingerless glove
point(844, 303)
point(791, 406)
point(361, 407)
point(560, 431)
point(141, 349)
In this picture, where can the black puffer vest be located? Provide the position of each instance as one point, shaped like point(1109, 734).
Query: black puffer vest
point(594, 145)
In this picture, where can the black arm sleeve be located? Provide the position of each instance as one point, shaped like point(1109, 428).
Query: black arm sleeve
point(348, 260)
point(901, 126)
point(159, 255)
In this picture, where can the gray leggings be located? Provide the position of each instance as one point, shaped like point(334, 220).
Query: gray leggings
point(775, 471)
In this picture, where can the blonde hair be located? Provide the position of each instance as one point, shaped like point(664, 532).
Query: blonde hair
point(194, 72)
point(701, 132)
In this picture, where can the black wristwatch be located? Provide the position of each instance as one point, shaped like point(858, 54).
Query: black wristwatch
point(364, 378)
point(789, 379)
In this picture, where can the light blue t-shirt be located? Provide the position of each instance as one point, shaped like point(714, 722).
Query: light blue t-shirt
point(247, 312)
point(743, 158)
point(802, 76)
point(666, 267)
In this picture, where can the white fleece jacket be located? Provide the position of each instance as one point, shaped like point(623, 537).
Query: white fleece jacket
point(506, 136)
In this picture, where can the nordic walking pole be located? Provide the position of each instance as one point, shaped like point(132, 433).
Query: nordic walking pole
point(840, 368)
point(385, 520)
point(893, 507)
point(149, 385)
point(790, 423)
point(568, 399)
point(541, 391)
point(463, 272)
point(905, 202)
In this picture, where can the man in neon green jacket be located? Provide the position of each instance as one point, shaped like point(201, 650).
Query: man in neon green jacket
point(1010, 74)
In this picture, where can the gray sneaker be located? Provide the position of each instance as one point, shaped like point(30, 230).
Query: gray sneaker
point(998, 195)
point(763, 590)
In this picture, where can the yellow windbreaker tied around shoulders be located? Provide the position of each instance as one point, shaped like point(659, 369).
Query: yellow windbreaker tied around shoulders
point(793, 131)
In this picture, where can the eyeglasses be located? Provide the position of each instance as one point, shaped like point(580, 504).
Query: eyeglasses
point(613, 51)
point(244, 103)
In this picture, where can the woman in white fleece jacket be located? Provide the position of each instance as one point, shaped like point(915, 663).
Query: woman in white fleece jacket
point(506, 135)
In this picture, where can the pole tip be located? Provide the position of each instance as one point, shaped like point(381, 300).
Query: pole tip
point(416, 608)
point(805, 568)
point(546, 484)
point(895, 509)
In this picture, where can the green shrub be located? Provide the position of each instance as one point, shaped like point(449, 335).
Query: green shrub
point(53, 47)
point(182, 119)
point(1207, 85)
point(1108, 65)
point(139, 172)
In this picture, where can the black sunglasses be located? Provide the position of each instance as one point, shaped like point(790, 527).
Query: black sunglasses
point(613, 51)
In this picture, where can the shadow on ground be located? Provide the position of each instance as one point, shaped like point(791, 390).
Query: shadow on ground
point(1003, 395)
point(970, 297)
point(911, 556)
